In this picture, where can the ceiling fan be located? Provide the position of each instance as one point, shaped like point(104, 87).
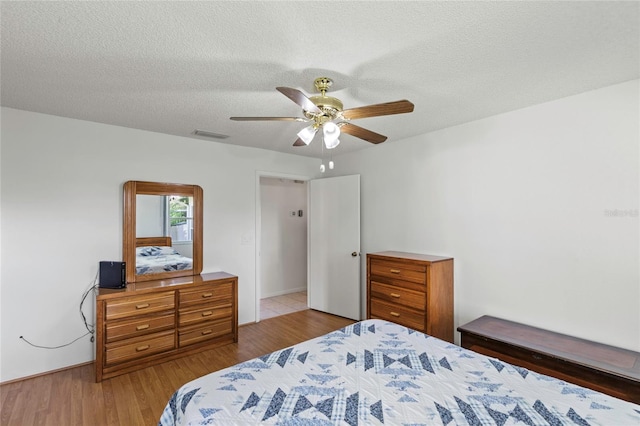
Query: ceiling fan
point(327, 112)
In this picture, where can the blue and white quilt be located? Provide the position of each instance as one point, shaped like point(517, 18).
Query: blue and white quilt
point(157, 259)
point(379, 373)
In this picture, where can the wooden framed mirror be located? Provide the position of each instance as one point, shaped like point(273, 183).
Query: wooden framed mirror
point(162, 230)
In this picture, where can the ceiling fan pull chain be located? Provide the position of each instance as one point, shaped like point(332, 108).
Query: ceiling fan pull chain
point(331, 160)
point(322, 156)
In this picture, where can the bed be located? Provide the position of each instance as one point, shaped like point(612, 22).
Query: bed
point(376, 372)
point(156, 255)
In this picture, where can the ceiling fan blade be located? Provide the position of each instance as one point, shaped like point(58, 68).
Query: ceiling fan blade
point(300, 98)
point(269, 119)
point(299, 142)
point(362, 133)
point(387, 108)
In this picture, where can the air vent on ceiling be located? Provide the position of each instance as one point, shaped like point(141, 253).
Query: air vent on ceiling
point(211, 135)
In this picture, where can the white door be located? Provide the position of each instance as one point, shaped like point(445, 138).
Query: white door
point(334, 246)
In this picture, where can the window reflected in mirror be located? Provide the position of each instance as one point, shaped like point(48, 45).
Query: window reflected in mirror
point(169, 216)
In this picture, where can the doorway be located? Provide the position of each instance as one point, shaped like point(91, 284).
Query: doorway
point(282, 257)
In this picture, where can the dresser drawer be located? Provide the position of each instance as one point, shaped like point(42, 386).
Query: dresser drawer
point(412, 289)
point(121, 329)
point(205, 332)
point(131, 349)
point(144, 324)
point(398, 270)
point(207, 313)
point(397, 314)
point(398, 295)
point(139, 305)
point(212, 295)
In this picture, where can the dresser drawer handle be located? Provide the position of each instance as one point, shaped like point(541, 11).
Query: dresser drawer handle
point(142, 348)
point(207, 313)
point(142, 306)
point(395, 271)
point(205, 332)
point(205, 295)
point(396, 295)
point(142, 327)
point(394, 314)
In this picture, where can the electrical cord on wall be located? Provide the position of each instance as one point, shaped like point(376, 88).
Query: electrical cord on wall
point(90, 327)
point(55, 347)
point(94, 286)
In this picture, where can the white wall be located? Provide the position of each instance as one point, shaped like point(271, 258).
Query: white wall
point(150, 215)
point(284, 237)
point(62, 213)
point(523, 201)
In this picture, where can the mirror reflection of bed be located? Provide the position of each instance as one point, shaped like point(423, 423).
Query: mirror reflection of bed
point(156, 255)
point(162, 232)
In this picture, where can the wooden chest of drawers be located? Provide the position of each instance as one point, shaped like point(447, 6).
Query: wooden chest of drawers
point(154, 321)
point(415, 290)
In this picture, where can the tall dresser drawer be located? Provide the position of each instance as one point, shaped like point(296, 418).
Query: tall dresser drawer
point(139, 305)
point(121, 329)
point(208, 313)
point(398, 270)
point(204, 332)
point(218, 295)
point(412, 289)
point(398, 314)
point(401, 296)
point(137, 348)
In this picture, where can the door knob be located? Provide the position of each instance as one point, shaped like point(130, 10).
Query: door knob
point(354, 254)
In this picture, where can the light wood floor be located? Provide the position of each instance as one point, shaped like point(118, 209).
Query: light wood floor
point(72, 397)
point(279, 305)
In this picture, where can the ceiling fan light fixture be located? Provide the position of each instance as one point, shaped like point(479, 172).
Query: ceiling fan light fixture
point(332, 144)
point(331, 133)
point(329, 113)
point(307, 134)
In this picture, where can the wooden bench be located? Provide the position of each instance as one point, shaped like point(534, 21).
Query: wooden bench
point(607, 369)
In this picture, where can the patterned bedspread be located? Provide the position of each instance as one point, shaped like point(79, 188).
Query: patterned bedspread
point(375, 372)
point(155, 259)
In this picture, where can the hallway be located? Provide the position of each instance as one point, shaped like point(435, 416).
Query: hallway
point(285, 304)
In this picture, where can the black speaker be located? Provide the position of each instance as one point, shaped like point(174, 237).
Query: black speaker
point(113, 274)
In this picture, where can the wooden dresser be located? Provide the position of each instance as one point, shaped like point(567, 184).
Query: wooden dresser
point(414, 290)
point(150, 322)
point(607, 369)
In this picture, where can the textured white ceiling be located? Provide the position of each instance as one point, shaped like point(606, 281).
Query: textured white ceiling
point(173, 67)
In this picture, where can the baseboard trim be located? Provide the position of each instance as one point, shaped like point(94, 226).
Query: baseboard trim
point(46, 373)
point(283, 292)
